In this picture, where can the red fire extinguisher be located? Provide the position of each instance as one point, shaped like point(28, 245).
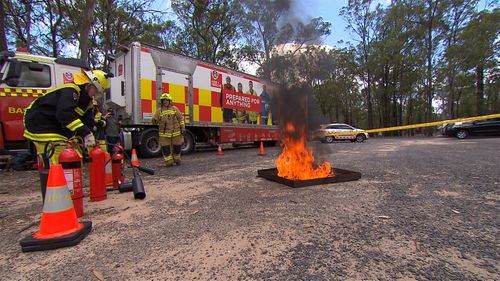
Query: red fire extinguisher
point(97, 175)
point(72, 166)
point(117, 167)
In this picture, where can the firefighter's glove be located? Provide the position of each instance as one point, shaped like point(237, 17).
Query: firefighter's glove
point(89, 140)
point(183, 131)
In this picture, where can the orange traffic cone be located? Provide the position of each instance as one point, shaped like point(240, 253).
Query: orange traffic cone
point(261, 152)
point(109, 171)
point(219, 151)
point(59, 226)
point(134, 160)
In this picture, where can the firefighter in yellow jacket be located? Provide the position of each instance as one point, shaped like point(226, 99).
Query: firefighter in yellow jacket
point(65, 112)
point(171, 128)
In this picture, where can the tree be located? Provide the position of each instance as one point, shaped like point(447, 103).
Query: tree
point(49, 15)
point(361, 22)
point(480, 48)
point(339, 96)
point(273, 36)
point(3, 30)
point(19, 20)
point(428, 15)
point(455, 17)
point(106, 24)
point(85, 25)
point(209, 29)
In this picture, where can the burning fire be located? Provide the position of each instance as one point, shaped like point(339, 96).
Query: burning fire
point(296, 161)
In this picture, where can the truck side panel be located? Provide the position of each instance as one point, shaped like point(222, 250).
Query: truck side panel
point(240, 134)
point(207, 83)
point(174, 83)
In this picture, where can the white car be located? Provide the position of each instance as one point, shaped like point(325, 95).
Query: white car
point(323, 133)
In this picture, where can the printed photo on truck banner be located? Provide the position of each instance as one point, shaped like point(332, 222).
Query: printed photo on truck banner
point(215, 79)
point(238, 101)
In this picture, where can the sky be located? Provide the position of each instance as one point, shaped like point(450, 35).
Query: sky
point(329, 10)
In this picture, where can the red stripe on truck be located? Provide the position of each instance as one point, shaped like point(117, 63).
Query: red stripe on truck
point(228, 72)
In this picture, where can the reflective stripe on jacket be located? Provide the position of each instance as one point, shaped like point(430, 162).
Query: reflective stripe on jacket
point(170, 121)
point(58, 115)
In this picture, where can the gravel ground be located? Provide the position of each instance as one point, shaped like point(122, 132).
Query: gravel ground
point(424, 209)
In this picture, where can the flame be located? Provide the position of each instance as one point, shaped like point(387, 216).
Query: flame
point(296, 161)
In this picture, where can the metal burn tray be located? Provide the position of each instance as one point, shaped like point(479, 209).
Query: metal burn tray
point(341, 175)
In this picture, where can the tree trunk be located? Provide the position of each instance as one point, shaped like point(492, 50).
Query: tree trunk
point(3, 37)
point(480, 90)
point(451, 98)
point(394, 121)
point(429, 52)
point(409, 114)
point(369, 101)
point(85, 30)
point(55, 28)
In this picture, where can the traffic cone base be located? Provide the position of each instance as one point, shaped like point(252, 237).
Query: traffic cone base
point(219, 151)
point(31, 244)
point(59, 225)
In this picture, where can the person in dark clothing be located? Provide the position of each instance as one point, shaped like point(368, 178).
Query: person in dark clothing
point(227, 113)
point(112, 129)
point(98, 128)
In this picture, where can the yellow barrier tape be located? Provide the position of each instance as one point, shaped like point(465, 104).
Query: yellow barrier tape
point(414, 126)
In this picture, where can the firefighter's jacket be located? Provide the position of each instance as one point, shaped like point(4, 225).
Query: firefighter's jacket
point(170, 121)
point(60, 114)
point(99, 125)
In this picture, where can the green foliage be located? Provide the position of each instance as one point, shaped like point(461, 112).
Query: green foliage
point(209, 30)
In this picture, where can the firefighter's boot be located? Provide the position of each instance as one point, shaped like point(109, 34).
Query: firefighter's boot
point(177, 154)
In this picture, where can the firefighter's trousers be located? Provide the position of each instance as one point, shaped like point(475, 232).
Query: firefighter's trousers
point(41, 152)
point(102, 145)
point(171, 149)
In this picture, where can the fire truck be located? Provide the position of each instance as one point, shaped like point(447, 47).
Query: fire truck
point(141, 74)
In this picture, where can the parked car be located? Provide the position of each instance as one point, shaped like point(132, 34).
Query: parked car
point(445, 129)
point(323, 133)
point(484, 127)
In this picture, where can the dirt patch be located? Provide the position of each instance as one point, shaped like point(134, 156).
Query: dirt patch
point(420, 211)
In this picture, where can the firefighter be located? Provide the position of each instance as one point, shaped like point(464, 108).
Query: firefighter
point(99, 126)
point(171, 128)
point(65, 112)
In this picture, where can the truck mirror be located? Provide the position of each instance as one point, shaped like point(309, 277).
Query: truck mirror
point(35, 66)
point(14, 73)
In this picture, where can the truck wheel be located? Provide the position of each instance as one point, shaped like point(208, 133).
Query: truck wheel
point(150, 145)
point(188, 145)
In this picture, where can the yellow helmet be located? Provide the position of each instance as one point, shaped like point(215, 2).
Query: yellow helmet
point(165, 96)
point(98, 78)
point(80, 78)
